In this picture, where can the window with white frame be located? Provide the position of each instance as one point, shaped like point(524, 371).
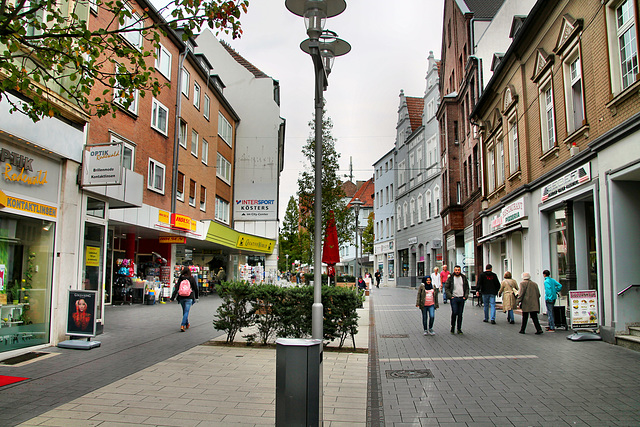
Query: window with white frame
point(419, 160)
point(223, 169)
point(120, 97)
point(131, 27)
point(185, 83)
point(412, 167)
point(491, 169)
point(192, 193)
point(182, 134)
point(222, 210)
point(386, 233)
point(547, 116)
point(401, 173)
point(203, 198)
point(412, 207)
point(574, 99)
point(224, 129)
point(159, 117)
point(205, 151)
point(391, 193)
point(155, 177)
point(458, 192)
point(428, 203)
point(196, 95)
point(436, 196)
point(405, 214)
point(623, 45)
point(195, 138)
point(206, 106)
point(128, 152)
point(420, 202)
point(93, 5)
point(514, 148)
point(399, 215)
point(180, 185)
point(499, 162)
point(386, 195)
point(163, 61)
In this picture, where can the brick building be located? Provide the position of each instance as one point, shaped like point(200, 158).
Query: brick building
point(559, 129)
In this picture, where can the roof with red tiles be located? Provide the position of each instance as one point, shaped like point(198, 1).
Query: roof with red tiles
point(349, 189)
point(246, 64)
point(365, 194)
point(416, 108)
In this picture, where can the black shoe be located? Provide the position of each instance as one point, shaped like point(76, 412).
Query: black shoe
point(522, 332)
point(485, 321)
point(493, 322)
point(460, 331)
point(538, 332)
point(512, 322)
point(453, 331)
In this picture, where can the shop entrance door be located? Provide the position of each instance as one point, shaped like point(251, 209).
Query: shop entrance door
point(94, 253)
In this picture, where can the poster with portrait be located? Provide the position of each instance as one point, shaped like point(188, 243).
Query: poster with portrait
point(81, 318)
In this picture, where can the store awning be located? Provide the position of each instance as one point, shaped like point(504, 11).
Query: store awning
point(225, 236)
point(505, 230)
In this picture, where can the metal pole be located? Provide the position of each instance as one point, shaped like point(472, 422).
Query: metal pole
point(317, 309)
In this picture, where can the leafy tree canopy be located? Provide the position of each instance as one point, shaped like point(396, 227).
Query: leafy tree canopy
point(49, 54)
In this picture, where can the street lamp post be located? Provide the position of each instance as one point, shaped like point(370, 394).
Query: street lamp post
point(357, 203)
point(323, 46)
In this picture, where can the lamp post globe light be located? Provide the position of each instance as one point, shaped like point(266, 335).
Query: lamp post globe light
point(323, 46)
point(357, 203)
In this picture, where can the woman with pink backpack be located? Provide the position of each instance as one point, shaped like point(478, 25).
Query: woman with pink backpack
point(186, 291)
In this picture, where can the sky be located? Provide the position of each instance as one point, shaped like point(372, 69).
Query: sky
point(390, 42)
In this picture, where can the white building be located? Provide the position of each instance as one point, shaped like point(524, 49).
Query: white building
point(384, 226)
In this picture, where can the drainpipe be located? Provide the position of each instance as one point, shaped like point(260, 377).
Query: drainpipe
point(176, 133)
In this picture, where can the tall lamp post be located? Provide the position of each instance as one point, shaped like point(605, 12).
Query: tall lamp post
point(357, 203)
point(323, 46)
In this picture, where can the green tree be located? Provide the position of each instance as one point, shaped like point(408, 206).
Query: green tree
point(333, 196)
point(367, 236)
point(290, 236)
point(48, 51)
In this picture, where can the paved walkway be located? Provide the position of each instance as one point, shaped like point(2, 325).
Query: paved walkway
point(490, 375)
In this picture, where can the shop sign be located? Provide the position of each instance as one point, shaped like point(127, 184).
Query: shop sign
point(102, 165)
point(412, 240)
point(584, 309)
point(512, 212)
point(30, 174)
point(172, 239)
point(164, 217)
point(436, 244)
point(567, 182)
point(390, 257)
point(255, 243)
point(92, 256)
point(26, 206)
point(254, 208)
point(19, 168)
point(182, 222)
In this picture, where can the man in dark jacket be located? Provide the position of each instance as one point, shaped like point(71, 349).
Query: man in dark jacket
point(488, 286)
point(457, 290)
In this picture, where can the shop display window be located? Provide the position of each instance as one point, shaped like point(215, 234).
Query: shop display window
point(26, 265)
point(403, 255)
point(558, 244)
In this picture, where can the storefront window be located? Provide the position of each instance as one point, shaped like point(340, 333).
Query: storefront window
point(92, 272)
point(403, 256)
point(26, 265)
point(558, 244)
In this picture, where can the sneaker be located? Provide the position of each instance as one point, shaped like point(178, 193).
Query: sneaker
point(493, 322)
point(522, 332)
point(551, 330)
point(431, 332)
point(425, 333)
point(485, 321)
point(453, 331)
point(181, 328)
point(460, 331)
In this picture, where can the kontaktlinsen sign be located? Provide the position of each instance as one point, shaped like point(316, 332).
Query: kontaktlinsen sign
point(102, 165)
point(567, 182)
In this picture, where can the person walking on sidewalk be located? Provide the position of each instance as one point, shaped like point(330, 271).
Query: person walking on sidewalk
point(488, 286)
point(508, 289)
point(378, 277)
point(185, 298)
point(427, 302)
point(529, 302)
point(435, 279)
point(551, 289)
point(457, 290)
point(444, 276)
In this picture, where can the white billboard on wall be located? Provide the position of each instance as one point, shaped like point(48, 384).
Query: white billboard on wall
point(255, 203)
point(102, 165)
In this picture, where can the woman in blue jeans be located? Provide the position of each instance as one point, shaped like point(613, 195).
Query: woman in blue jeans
point(427, 302)
point(185, 300)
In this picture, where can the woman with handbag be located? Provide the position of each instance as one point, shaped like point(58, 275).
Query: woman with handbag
point(508, 289)
point(427, 302)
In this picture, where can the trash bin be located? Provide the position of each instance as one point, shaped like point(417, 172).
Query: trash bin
point(298, 382)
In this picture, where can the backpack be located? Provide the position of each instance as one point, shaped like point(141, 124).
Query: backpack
point(185, 288)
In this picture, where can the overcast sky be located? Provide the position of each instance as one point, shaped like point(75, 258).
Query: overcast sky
point(390, 42)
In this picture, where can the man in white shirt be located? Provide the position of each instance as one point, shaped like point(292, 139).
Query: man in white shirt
point(435, 279)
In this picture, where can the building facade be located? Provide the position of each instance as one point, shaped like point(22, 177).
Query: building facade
point(557, 108)
point(384, 226)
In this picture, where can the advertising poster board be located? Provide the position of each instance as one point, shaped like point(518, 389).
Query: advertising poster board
point(584, 309)
point(81, 318)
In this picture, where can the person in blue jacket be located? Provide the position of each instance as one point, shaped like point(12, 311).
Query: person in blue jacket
point(551, 289)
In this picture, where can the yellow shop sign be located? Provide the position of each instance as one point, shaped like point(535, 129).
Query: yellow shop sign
point(26, 206)
point(255, 243)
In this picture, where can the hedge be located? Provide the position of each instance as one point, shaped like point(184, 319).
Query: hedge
point(285, 311)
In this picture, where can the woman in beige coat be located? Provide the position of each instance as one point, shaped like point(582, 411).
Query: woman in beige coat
point(529, 302)
point(507, 291)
